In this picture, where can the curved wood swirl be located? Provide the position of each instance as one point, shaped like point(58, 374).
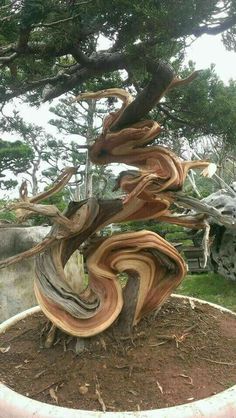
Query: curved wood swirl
point(150, 190)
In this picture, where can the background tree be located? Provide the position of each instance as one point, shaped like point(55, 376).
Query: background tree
point(41, 157)
point(36, 139)
point(84, 120)
point(204, 108)
point(15, 157)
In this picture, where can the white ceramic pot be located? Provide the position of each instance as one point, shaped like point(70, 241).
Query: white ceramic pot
point(13, 405)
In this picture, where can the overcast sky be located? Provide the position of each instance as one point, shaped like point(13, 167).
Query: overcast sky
point(209, 50)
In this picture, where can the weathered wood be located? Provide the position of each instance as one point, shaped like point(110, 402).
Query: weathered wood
point(223, 235)
point(155, 267)
point(107, 209)
point(223, 251)
point(218, 208)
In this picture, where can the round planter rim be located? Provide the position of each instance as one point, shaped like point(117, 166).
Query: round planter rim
point(16, 405)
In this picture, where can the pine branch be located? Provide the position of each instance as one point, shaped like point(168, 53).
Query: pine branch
point(57, 22)
point(7, 60)
point(223, 25)
point(171, 116)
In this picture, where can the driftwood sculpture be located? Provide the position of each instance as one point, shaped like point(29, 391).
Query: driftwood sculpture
point(154, 267)
point(223, 231)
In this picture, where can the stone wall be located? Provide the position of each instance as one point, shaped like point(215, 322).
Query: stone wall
point(16, 281)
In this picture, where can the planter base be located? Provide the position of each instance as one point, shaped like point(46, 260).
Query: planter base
point(155, 383)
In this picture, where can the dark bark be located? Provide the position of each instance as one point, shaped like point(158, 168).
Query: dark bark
point(224, 25)
point(130, 295)
point(162, 75)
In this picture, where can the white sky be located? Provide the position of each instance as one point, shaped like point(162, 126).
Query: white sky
point(209, 50)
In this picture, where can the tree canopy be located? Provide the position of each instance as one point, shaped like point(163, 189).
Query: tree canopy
point(42, 156)
point(49, 48)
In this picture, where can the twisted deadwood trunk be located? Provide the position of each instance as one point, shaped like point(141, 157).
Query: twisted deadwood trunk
point(153, 266)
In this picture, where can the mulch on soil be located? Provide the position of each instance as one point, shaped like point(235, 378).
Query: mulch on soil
point(186, 353)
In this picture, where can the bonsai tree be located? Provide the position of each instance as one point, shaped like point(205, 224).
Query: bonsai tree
point(154, 267)
point(50, 49)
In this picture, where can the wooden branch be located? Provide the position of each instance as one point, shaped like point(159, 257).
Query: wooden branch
point(50, 211)
point(47, 242)
point(80, 57)
point(27, 87)
point(92, 66)
point(171, 115)
point(203, 207)
point(9, 58)
point(101, 63)
point(205, 243)
point(162, 76)
point(27, 206)
point(163, 80)
point(61, 181)
point(224, 25)
point(179, 82)
point(57, 22)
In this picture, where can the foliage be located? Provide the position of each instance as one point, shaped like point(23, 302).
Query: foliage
point(204, 108)
point(50, 47)
point(5, 214)
point(160, 228)
point(151, 225)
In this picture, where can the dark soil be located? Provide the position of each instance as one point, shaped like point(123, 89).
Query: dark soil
point(186, 353)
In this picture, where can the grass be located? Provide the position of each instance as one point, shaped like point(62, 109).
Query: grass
point(211, 287)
